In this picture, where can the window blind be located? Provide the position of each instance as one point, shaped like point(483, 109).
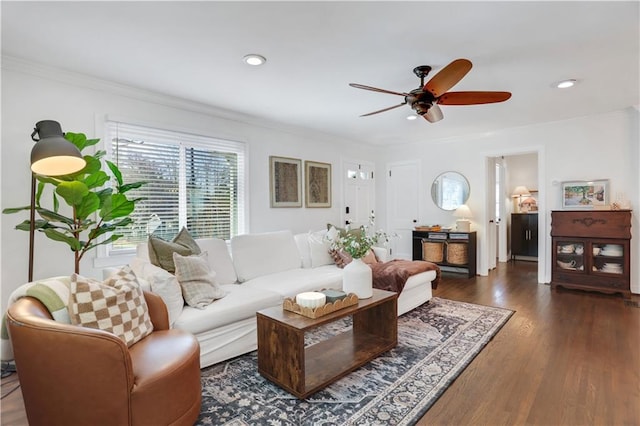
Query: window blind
point(191, 180)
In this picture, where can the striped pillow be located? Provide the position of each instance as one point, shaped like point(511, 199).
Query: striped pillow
point(197, 280)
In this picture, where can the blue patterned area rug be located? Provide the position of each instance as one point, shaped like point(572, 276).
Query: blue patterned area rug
point(436, 342)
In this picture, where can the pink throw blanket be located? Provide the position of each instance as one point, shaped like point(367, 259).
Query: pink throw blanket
point(393, 275)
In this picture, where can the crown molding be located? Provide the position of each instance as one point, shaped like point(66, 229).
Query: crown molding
point(12, 63)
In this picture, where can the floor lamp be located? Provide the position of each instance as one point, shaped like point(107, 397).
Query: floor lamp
point(52, 155)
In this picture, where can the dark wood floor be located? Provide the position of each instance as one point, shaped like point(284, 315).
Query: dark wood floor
point(564, 358)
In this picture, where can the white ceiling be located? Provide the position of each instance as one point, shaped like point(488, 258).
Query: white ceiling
point(194, 50)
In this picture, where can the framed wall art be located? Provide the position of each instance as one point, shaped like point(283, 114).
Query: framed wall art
point(285, 182)
point(317, 184)
point(589, 194)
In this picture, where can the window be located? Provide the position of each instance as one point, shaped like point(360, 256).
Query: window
point(193, 181)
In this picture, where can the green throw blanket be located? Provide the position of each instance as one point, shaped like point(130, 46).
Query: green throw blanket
point(53, 293)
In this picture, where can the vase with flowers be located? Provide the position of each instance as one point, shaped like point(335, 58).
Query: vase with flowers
point(357, 243)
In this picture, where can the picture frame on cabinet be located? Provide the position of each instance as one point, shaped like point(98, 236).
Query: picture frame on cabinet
point(585, 194)
point(317, 184)
point(285, 182)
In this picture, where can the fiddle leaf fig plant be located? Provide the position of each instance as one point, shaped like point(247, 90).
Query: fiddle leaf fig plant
point(96, 209)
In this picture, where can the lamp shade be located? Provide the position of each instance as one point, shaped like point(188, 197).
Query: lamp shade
point(53, 155)
point(520, 191)
point(462, 211)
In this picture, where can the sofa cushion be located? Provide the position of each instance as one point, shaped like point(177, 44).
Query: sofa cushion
point(302, 241)
point(162, 283)
point(161, 251)
point(255, 255)
point(240, 303)
point(196, 279)
point(116, 305)
point(294, 281)
point(319, 247)
point(219, 259)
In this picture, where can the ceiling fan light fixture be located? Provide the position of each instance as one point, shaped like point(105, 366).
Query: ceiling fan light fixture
point(254, 59)
point(412, 117)
point(565, 84)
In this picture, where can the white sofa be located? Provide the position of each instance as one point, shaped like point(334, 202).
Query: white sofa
point(258, 271)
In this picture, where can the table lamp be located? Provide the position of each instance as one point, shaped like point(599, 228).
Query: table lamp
point(520, 191)
point(463, 224)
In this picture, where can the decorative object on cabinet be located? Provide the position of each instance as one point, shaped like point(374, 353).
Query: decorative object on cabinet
point(591, 250)
point(317, 188)
point(451, 250)
point(450, 190)
point(519, 192)
point(524, 235)
point(585, 194)
point(285, 178)
point(463, 224)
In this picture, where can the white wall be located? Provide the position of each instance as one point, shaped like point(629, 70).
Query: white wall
point(31, 95)
point(596, 147)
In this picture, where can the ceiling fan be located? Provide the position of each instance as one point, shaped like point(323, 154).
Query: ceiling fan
point(425, 99)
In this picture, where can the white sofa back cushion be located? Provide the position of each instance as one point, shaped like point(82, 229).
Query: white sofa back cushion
point(219, 259)
point(302, 241)
point(255, 255)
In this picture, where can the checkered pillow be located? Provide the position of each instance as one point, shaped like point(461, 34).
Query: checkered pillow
point(115, 305)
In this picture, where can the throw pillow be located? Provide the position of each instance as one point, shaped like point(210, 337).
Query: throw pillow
point(370, 258)
point(162, 283)
point(161, 251)
point(343, 231)
point(115, 305)
point(197, 280)
point(319, 248)
point(341, 258)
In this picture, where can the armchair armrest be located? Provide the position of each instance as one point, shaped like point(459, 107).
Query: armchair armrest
point(157, 311)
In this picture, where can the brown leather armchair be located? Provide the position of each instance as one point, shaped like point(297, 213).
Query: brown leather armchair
point(73, 375)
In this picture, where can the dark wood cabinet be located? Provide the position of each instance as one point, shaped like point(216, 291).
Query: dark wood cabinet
point(524, 234)
point(452, 250)
point(590, 250)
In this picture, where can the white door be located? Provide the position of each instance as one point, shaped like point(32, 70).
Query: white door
point(403, 205)
point(359, 192)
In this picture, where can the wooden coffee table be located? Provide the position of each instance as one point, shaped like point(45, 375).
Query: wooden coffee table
point(283, 358)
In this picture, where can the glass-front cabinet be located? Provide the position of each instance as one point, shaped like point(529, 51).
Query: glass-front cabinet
point(591, 250)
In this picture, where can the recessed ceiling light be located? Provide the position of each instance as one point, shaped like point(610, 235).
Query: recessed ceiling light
point(412, 117)
point(254, 59)
point(565, 84)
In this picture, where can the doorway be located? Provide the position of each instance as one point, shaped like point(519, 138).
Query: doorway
point(506, 171)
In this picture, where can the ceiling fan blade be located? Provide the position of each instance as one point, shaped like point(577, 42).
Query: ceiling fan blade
point(383, 110)
point(448, 77)
point(375, 89)
point(434, 114)
point(473, 98)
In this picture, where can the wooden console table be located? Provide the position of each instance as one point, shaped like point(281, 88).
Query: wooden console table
point(464, 240)
point(302, 371)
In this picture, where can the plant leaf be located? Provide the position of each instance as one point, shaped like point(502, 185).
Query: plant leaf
point(78, 139)
point(111, 239)
point(73, 192)
point(96, 180)
point(11, 210)
point(129, 186)
point(116, 206)
point(116, 172)
point(89, 204)
point(56, 235)
point(52, 216)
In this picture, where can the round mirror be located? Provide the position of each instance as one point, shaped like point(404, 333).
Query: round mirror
point(450, 190)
